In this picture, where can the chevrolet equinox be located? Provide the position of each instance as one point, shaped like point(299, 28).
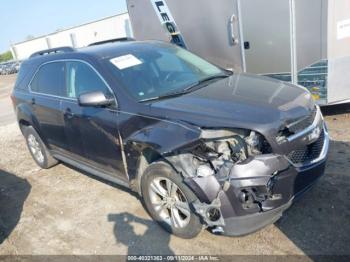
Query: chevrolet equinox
point(203, 147)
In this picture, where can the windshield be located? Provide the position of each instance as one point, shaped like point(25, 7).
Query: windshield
point(153, 71)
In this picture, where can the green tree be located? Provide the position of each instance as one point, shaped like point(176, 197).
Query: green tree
point(6, 56)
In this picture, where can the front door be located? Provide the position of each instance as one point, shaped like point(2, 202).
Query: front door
point(91, 131)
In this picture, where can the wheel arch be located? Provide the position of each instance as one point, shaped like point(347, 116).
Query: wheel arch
point(139, 164)
point(154, 142)
point(25, 118)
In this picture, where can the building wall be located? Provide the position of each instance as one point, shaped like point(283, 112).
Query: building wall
point(112, 27)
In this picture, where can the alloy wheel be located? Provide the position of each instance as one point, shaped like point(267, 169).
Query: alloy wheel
point(169, 202)
point(35, 148)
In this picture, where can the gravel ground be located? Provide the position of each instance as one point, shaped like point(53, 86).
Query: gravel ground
point(64, 211)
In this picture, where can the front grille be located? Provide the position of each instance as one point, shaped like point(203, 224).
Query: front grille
point(303, 124)
point(307, 153)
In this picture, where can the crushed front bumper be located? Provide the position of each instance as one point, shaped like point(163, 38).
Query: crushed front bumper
point(242, 225)
point(292, 184)
point(258, 191)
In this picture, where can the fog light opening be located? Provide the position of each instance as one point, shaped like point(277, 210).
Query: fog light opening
point(213, 214)
point(244, 196)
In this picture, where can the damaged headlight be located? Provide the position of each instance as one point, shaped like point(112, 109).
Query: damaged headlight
point(238, 145)
point(221, 149)
point(257, 144)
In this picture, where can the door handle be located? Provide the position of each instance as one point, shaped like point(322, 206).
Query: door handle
point(68, 113)
point(234, 39)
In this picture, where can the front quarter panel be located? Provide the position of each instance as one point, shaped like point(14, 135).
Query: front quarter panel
point(156, 137)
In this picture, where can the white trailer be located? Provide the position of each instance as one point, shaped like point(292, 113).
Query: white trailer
point(302, 41)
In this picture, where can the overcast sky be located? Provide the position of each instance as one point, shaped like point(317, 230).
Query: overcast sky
point(20, 18)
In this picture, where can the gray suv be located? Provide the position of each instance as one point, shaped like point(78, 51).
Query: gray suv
point(202, 146)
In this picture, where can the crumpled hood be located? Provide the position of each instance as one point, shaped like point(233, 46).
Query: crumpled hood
point(242, 101)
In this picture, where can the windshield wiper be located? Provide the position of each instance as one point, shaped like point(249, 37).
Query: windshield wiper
point(205, 80)
point(168, 95)
point(187, 89)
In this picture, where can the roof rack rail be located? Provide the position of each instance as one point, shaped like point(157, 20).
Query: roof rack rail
point(123, 39)
point(63, 49)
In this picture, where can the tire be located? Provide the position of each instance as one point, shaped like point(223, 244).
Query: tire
point(173, 211)
point(35, 144)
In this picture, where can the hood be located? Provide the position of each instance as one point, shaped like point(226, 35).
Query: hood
point(241, 101)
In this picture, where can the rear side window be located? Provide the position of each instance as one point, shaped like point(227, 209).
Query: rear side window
point(22, 74)
point(50, 79)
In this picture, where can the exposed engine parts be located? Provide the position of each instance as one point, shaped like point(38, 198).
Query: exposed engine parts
point(238, 164)
point(219, 155)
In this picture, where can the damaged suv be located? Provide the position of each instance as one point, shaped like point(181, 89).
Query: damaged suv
point(203, 147)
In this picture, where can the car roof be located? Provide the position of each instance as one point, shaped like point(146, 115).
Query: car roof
point(98, 52)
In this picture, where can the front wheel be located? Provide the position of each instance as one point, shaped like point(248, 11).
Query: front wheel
point(168, 200)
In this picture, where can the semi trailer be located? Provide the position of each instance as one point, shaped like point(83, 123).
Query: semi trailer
point(298, 41)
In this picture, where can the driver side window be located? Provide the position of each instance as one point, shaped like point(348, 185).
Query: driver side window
point(81, 78)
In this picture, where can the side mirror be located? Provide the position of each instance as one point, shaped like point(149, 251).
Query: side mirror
point(96, 98)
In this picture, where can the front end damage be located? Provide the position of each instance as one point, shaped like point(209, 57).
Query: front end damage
point(241, 184)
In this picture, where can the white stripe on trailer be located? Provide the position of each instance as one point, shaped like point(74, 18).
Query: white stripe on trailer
point(167, 20)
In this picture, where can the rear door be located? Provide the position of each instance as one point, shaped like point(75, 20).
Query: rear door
point(91, 132)
point(46, 91)
point(209, 28)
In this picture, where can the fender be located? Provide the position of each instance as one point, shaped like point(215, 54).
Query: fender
point(169, 142)
point(25, 114)
point(154, 142)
